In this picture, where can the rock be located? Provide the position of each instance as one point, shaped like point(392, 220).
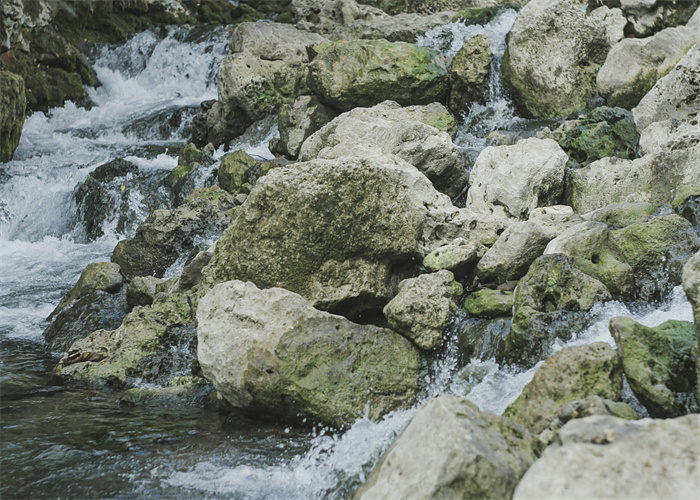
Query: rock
point(657, 251)
point(664, 178)
point(519, 245)
point(675, 96)
point(484, 228)
point(571, 374)
point(459, 257)
point(141, 291)
point(266, 69)
point(192, 272)
point(655, 459)
point(347, 20)
point(450, 449)
point(596, 254)
point(235, 172)
point(423, 308)
point(470, 73)
point(13, 104)
point(595, 405)
point(634, 65)
point(116, 196)
point(213, 195)
point(270, 353)
point(483, 339)
point(180, 390)
point(97, 276)
point(298, 120)
point(601, 133)
point(549, 302)
point(415, 134)
point(487, 303)
point(510, 181)
point(621, 215)
point(181, 180)
point(646, 18)
point(166, 235)
point(554, 52)
point(691, 285)
point(151, 345)
point(614, 22)
point(353, 73)
point(669, 135)
point(657, 362)
point(313, 229)
point(91, 311)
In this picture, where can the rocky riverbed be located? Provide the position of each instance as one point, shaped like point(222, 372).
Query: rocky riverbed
point(402, 250)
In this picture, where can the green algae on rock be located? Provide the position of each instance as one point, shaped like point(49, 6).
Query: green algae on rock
point(13, 104)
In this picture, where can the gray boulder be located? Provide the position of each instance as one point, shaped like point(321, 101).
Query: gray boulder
point(511, 181)
point(621, 215)
point(458, 256)
point(271, 353)
point(470, 73)
point(450, 449)
point(635, 64)
point(141, 291)
point(668, 135)
point(554, 52)
point(654, 459)
point(691, 285)
point(298, 120)
point(348, 74)
point(424, 307)
point(648, 17)
point(571, 374)
point(657, 362)
point(416, 134)
point(614, 22)
point(313, 229)
point(483, 339)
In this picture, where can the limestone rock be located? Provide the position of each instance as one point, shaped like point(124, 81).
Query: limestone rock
point(483, 339)
point(596, 254)
point(182, 179)
point(470, 73)
point(657, 251)
point(657, 362)
point(270, 353)
point(141, 291)
point(487, 303)
point(298, 120)
point(571, 374)
point(554, 52)
point(614, 22)
point(510, 181)
point(621, 215)
point(354, 73)
point(691, 285)
point(459, 256)
point(13, 104)
point(550, 301)
point(313, 229)
point(450, 449)
point(654, 459)
point(423, 308)
point(668, 135)
point(648, 17)
point(635, 64)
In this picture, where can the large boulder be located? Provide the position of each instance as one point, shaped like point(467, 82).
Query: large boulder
point(348, 74)
point(657, 251)
point(596, 254)
point(168, 235)
point(550, 301)
point(313, 229)
point(691, 285)
point(554, 52)
point(13, 104)
point(657, 362)
point(424, 307)
point(634, 65)
point(571, 374)
point(654, 459)
point(417, 134)
point(669, 177)
point(271, 353)
point(511, 181)
point(450, 449)
point(470, 73)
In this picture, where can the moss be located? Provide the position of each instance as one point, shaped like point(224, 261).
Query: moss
point(630, 97)
point(489, 303)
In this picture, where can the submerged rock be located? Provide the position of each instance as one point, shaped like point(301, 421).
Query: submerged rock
point(571, 374)
point(655, 459)
point(271, 354)
point(550, 302)
point(450, 449)
point(646, 18)
point(483, 339)
point(348, 74)
point(13, 104)
point(621, 215)
point(423, 308)
point(691, 285)
point(657, 362)
point(313, 229)
point(554, 52)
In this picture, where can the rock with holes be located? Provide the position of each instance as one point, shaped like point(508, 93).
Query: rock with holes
point(450, 449)
point(270, 353)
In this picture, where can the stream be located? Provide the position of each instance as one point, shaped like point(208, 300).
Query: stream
point(60, 442)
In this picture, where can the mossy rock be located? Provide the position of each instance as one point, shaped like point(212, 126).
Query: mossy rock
point(483, 339)
point(97, 276)
point(487, 303)
point(235, 172)
point(13, 104)
point(658, 362)
point(621, 215)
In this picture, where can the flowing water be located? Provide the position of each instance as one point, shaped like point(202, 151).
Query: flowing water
point(61, 442)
